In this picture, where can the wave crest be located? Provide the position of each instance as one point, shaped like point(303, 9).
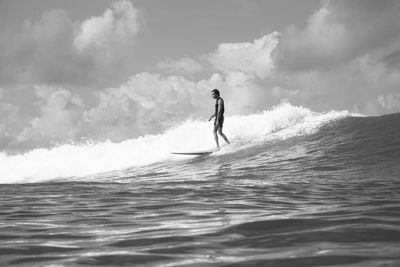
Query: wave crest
point(71, 160)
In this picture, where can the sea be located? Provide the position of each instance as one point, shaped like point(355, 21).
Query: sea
point(294, 188)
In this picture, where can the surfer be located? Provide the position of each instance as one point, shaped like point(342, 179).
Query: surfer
point(219, 116)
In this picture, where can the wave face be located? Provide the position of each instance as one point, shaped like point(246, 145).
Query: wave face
point(295, 188)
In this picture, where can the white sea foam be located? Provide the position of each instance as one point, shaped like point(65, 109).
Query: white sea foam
point(281, 122)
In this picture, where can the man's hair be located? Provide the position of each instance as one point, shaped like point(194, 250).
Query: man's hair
point(215, 91)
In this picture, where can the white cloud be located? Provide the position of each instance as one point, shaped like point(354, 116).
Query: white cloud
point(59, 118)
point(250, 58)
point(35, 53)
point(144, 103)
point(338, 32)
point(344, 58)
point(115, 28)
point(183, 66)
point(354, 86)
point(8, 113)
point(322, 42)
point(57, 50)
point(11, 123)
point(390, 101)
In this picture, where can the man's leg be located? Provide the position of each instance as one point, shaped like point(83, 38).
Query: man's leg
point(223, 136)
point(215, 135)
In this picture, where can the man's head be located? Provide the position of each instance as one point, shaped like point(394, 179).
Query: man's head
point(215, 93)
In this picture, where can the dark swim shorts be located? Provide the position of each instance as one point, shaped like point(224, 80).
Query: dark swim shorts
point(221, 121)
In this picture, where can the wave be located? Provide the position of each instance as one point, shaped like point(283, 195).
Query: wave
point(79, 160)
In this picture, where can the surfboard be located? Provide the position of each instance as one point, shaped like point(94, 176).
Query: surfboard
point(198, 153)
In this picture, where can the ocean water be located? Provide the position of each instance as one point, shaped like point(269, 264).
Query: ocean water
point(295, 188)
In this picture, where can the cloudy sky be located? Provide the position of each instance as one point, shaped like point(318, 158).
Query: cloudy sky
point(95, 70)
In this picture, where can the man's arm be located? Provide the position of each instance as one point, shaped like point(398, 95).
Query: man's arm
point(211, 117)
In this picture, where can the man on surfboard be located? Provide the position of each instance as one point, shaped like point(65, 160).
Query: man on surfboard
point(219, 116)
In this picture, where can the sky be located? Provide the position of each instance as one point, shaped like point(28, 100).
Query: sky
point(77, 71)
